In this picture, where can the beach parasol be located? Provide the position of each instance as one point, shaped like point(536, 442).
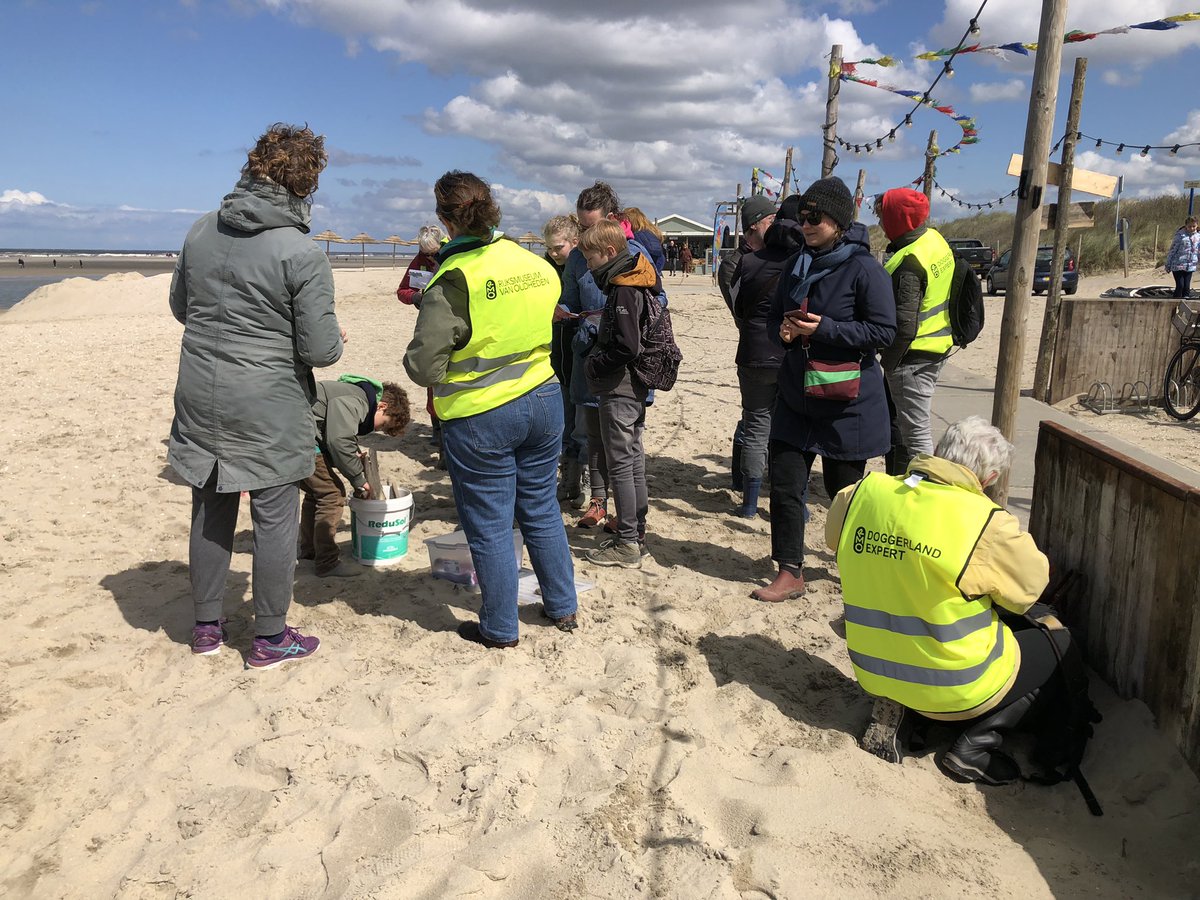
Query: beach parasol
point(362, 238)
point(395, 239)
point(328, 236)
point(529, 239)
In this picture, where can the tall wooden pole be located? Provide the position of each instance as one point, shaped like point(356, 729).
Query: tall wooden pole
point(858, 194)
point(1027, 222)
point(787, 174)
point(829, 159)
point(1048, 345)
point(931, 152)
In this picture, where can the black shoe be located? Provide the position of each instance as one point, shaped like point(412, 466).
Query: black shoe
point(883, 736)
point(982, 766)
point(469, 631)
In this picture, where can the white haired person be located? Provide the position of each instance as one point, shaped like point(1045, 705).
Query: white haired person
point(928, 562)
point(419, 273)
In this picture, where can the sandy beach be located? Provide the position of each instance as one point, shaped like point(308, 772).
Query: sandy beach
point(686, 742)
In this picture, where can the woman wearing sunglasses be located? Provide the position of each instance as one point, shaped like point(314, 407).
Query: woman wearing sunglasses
point(833, 310)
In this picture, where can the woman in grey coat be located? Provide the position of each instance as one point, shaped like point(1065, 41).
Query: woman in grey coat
point(255, 296)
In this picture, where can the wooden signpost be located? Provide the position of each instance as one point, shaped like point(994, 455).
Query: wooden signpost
point(1079, 215)
point(1081, 179)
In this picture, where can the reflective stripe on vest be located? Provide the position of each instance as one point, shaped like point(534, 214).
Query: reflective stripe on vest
point(936, 258)
point(911, 633)
point(511, 294)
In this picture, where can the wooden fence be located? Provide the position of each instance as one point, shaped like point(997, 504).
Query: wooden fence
point(1134, 533)
point(1113, 341)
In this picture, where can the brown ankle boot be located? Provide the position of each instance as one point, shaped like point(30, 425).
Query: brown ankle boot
point(786, 586)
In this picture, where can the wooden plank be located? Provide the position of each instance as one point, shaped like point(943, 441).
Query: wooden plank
point(1130, 529)
point(371, 469)
point(1079, 215)
point(1084, 180)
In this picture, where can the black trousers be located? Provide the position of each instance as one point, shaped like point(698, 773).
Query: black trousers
point(790, 470)
point(1183, 284)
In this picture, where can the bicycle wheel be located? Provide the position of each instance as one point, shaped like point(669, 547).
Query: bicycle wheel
point(1181, 389)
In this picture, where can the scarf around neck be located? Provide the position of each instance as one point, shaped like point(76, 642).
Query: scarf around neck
point(810, 269)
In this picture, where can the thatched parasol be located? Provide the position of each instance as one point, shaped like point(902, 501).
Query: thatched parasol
point(395, 240)
point(529, 239)
point(328, 236)
point(362, 238)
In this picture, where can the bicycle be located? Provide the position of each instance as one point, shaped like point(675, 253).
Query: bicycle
point(1181, 385)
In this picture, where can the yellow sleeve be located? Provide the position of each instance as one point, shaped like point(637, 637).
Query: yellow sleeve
point(837, 516)
point(1006, 565)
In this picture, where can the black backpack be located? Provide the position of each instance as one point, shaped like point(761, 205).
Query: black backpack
point(966, 303)
point(657, 366)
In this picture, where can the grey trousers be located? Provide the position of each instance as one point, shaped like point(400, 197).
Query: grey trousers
point(596, 460)
point(622, 420)
point(274, 512)
point(912, 385)
point(759, 388)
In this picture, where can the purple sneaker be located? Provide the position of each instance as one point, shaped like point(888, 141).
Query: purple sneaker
point(208, 639)
point(265, 655)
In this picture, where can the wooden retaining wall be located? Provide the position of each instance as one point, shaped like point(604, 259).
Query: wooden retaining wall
point(1135, 535)
point(1112, 340)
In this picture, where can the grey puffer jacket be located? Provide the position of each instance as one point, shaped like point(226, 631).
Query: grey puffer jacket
point(255, 296)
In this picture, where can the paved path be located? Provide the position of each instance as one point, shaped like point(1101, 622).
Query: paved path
point(961, 393)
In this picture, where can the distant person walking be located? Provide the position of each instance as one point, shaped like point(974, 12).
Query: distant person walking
point(685, 260)
point(1184, 256)
point(255, 296)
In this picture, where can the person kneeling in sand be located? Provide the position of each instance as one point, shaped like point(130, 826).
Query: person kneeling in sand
point(926, 558)
point(344, 410)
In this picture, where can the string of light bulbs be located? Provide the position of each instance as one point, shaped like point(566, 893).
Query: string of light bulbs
point(1142, 149)
point(988, 204)
point(924, 98)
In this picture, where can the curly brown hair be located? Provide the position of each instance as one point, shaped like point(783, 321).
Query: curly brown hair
point(464, 201)
point(289, 155)
point(398, 413)
point(599, 196)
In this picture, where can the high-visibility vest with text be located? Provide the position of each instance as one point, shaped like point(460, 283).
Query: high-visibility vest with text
point(913, 636)
point(511, 294)
point(933, 320)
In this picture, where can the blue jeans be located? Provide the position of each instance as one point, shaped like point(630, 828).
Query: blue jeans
point(504, 463)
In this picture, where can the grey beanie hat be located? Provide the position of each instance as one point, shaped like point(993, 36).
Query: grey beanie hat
point(831, 197)
point(755, 209)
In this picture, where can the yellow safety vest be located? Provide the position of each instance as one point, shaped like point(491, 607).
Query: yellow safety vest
point(511, 294)
point(933, 320)
point(913, 636)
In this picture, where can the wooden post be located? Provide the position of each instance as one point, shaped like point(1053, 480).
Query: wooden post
point(829, 158)
point(737, 221)
point(1079, 252)
point(787, 174)
point(1027, 222)
point(1154, 253)
point(1041, 377)
point(930, 168)
point(858, 194)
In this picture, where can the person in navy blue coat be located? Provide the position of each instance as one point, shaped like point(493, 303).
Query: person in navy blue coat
point(833, 304)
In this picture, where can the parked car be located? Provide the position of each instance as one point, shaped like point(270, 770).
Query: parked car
point(997, 276)
point(980, 256)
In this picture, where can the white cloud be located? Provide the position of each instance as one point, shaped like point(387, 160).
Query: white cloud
point(1188, 132)
point(651, 99)
point(998, 91)
point(22, 198)
point(1119, 78)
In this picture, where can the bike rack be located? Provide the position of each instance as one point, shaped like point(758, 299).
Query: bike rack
point(1134, 398)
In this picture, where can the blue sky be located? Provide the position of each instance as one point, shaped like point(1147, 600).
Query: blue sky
point(126, 120)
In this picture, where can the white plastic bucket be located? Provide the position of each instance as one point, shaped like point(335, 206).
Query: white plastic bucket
point(379, 528)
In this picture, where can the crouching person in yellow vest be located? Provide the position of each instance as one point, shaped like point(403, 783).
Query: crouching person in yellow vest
point(927, 559)
point(482, 342)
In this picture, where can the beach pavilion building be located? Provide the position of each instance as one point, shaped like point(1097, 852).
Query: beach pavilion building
point(697, 236)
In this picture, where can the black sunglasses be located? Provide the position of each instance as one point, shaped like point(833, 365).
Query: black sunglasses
point(811, 218)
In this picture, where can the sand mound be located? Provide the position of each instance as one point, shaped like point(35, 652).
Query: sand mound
point(120, 294)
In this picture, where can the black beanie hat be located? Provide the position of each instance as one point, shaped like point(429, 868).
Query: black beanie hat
point(831, 197)
point(755, 209)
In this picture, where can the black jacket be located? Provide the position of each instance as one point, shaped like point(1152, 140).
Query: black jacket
point(754, 285)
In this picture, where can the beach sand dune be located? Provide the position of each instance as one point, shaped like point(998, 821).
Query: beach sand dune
point(685, 742)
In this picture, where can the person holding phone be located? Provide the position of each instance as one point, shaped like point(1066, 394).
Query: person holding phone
point(833, 311)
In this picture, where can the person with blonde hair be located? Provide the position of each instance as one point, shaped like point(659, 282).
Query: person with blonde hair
point(647, 234)
point(255, 296)
point(561, 234)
